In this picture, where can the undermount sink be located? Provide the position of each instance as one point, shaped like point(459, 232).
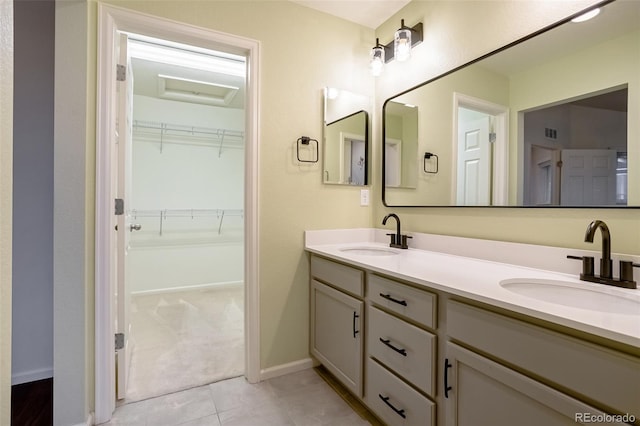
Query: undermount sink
point(369, 251)
point(575, 295)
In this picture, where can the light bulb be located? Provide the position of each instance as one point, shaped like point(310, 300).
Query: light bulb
point(402, 44)
point(376, 62)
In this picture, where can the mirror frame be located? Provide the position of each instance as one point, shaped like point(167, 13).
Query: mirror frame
point(478, 59)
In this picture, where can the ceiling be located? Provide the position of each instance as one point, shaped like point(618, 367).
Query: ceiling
point(369, 13)
point(208, 87)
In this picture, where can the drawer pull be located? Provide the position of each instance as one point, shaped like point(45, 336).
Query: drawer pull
point(355, 316)
point(400, 351)
point(388, 297)
point(447, 388)
point(386, 401)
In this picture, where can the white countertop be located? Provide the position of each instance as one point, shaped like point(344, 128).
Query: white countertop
point(479, 279)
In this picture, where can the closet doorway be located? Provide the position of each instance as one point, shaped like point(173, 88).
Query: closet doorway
point(155, 216)
point(184, 278)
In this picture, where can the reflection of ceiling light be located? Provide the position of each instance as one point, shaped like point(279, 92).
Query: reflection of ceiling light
point(201, 59)
point(332, 93)
point(409, 105)
point(586, 16)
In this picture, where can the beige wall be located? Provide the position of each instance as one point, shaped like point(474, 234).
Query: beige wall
point(455, 33)
point(294, 69)
point(6, 173)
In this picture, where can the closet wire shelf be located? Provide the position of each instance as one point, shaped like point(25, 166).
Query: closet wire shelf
point(172, 133)
point(165, 214)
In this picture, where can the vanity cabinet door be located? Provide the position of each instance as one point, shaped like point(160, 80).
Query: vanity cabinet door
point(482, 392)
point(336, 334)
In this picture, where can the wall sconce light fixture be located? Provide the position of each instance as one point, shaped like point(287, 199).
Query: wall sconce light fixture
point(400, 48)
point(376, 62)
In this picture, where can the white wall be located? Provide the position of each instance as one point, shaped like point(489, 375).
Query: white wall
point(32, 340)
point(73, 216)
point(188, 173)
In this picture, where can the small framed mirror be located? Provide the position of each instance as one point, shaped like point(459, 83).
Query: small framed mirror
point(346, 138)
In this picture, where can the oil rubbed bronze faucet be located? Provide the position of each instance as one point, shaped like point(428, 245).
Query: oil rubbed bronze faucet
point(397, 240)
point(606, 264)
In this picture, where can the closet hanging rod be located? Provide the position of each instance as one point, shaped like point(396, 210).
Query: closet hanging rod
point(162, 215)
point(192, 213)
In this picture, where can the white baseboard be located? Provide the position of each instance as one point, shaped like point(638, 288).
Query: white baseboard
point(31, 376)
point(281, 370)
point(229, 284)
point(89, 422)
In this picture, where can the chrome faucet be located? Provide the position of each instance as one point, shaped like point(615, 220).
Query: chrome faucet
point(397, 240)
point(606, 264)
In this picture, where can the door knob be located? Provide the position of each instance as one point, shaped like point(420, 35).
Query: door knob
point(135, 227)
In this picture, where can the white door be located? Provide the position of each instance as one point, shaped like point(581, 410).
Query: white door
point(474, 164)
point(588, 177)
point(353, 161)
point(544, 183)
point(393, 161)
point(125, 227)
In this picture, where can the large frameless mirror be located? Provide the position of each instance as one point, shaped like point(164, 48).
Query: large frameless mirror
point(548, 121)
point(346, 137)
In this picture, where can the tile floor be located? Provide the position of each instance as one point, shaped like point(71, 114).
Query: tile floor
point(185, 339)
point(299, 399)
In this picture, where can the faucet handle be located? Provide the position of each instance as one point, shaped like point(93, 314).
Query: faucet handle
point(393, 240)
point(626, 270)
point(587, 264)
point(404, 243)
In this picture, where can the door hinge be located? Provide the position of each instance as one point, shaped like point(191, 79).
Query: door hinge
point(121, 72)
point(492, 137)
point(119, 341)
point(119, 207)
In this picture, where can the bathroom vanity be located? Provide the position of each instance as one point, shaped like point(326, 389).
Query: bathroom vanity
point(423, 337)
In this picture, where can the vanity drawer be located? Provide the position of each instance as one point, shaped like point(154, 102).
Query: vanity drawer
point(418, 305)
point(402, 347)
point(580, 368)
point(395, 402)
point(338, 275)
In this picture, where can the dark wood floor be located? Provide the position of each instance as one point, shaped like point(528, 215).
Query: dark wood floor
point(32, 403)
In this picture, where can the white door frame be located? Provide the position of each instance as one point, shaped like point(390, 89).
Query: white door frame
point(500, 172)
point(111, 20)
